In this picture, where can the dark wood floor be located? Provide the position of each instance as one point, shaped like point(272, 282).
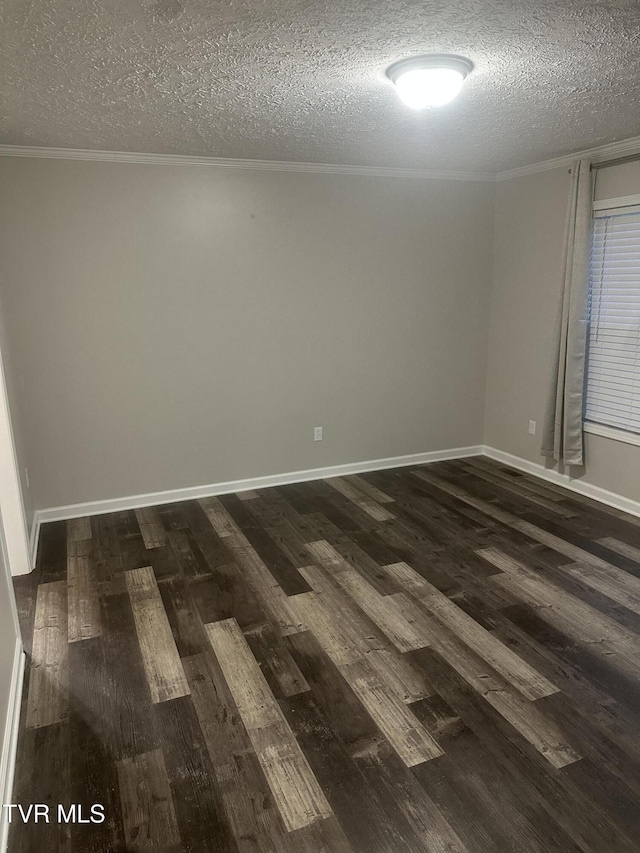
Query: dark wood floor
point(440, 659)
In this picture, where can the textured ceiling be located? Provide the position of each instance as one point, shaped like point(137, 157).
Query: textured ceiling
point(304, 81)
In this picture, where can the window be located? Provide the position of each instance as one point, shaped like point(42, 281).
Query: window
point(613, 374)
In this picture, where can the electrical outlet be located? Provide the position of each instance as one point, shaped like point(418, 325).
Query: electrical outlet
point(532, 427)
point(317, 433)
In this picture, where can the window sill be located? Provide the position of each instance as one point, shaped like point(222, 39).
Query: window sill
point(612, 432)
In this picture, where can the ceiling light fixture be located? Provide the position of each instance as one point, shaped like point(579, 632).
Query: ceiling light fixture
point(429, 81)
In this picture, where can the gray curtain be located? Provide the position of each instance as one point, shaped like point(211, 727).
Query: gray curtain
point(562, 437)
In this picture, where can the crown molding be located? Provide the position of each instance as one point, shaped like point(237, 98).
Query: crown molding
point(228, 163)
point(598, 154)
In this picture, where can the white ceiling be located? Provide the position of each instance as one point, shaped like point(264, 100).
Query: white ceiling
point(304, 81)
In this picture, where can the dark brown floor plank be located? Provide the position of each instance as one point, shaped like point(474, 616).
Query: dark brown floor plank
point(202, 823)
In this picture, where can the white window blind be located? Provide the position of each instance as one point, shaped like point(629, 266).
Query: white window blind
point(613, 373)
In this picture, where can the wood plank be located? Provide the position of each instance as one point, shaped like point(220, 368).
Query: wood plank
point(602, 635)
point(78, 529)
point(369, 821)
point(147, 806)
point(48, 672)
point(295, 789)
point(622, 548)
point(221, 521)
point(51, 561)
point(352, 636)
point(91, 718)
point(380, 698)
point(162, 663)
point(370, 570)
point(246, 798)
point(360, 499)
point(274, 658)
point(43, 775)
point(375, 815)
point(201, 819)
point(273, 598)
point(557, 800)
point(388, 612)
point(395, 720)
point(151, 527)
point(517, 672)
point(369, 490)
point(125, 684)
point(615, 583)
point(523, 492)
point(83, 602)
point(556, 543)
point(541, 733)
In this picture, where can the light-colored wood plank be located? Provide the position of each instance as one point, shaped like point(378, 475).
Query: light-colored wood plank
point(272, 597)
point(163, 667)
point(295, 789)
point(83, 601)
point(331, 632)
point(367, 671)
point(246, 797)
point(151, 527)
point(542, 733)
point(615, 583)
point(78, 529)
point(361, 500)
point(621, 548)
point(516, 671)
point(353, 636)
point(148, 812)
point(221, 521)
point(396, 671)
point(370, 491)
point(408, 578)
point(47, 702)
point(388, 612)
point(602, 635)
point(248, 495)
point(395, 720)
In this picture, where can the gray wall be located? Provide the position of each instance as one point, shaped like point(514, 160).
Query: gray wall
point(176, 326)
point(529, 230)
point(12, 375)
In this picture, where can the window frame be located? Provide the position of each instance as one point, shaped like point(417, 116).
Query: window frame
point(621, 204)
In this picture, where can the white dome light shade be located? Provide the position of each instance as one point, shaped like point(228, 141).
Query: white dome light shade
point(429, 87)
point(429, 81)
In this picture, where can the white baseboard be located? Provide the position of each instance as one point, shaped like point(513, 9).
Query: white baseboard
point(61, 513)
point(10, 741)
point(574, 484)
